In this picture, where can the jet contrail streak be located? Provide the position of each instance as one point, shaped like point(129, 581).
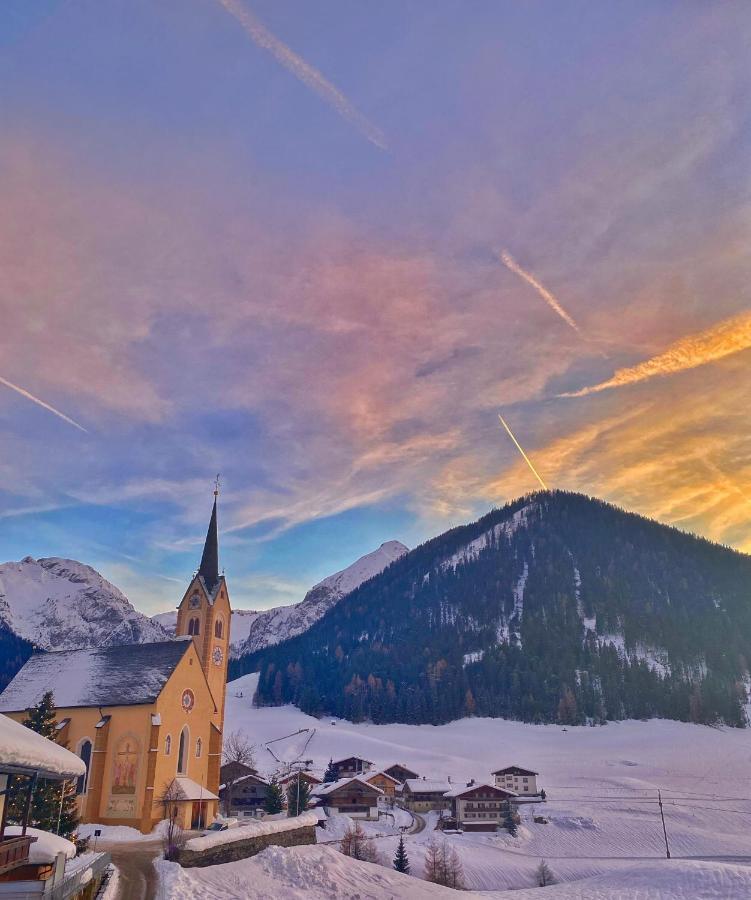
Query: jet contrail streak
point(727, 337)
point(519, 448)
point(508, 260)
point(56, 412)
point(310, 76)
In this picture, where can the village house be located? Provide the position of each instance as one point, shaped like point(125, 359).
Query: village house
point(352, 796)
point(308, 777)
point(146, 719)
point(514, 778)
point(350, 766)
point(400, 772)
point(386, 783)
point(422, 795)
point(479, 807)
point(231, 771)
point(244, 796)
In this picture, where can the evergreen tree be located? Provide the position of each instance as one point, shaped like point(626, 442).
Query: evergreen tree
point(401, 860)
point(298, 796)
point(330, 775)
point(543, 795)
point(510, 823)
point(53, 803)
point(274, 802)
point(544, 875)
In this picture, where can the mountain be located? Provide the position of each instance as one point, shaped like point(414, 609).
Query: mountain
point(60, 604)
point(283, 622)
point(253, 630)
point(556, 608)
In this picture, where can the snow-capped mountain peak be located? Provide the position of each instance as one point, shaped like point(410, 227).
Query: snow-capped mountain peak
point(272, 626)
point(62, 604)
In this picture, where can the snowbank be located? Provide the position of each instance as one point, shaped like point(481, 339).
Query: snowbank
point(47, 845)
point(251, 830)
point(20, 746)
point(117, 833)
point(320, 873)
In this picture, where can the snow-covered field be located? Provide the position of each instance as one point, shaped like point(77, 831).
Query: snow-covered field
point(604, 822)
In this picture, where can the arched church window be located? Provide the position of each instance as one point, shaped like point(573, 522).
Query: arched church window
point(218, 628)
point(82, 785)
point(182, 753)
point(168, 745)
point(199, 747)
point(194, 626)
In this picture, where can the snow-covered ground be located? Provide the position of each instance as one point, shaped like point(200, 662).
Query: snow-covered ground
point(322, 873)
point(604, 823)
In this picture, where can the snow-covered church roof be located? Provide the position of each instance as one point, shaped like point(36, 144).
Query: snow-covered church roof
point(22, 748)
point(101, 676)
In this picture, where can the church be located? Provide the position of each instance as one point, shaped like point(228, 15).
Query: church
point(146, 719)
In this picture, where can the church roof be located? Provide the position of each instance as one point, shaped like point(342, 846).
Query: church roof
point(209, 568)
point(103, 676)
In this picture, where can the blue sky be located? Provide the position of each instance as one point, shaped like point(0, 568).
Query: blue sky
point(210, 263)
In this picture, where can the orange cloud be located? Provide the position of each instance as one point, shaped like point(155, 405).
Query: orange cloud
point(724, 339)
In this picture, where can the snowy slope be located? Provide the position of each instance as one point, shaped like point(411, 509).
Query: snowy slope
point(275, 625)
point(321, 873)
point(604, 824)
point(61, 604)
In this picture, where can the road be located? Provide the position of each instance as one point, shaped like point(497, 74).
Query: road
point(135, 865)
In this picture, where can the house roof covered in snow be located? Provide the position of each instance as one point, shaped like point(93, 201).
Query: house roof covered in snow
point(102, 676)
point(460, 789)
point(24, 749)
point(426, 786)
point(187, 789)
point(323, 790)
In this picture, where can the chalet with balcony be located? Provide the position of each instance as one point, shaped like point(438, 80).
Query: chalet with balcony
point(422, 794)
point(352, 796)
point(351, 766)
point(479, 807)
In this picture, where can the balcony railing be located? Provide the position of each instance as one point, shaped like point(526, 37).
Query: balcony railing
point(14, 851)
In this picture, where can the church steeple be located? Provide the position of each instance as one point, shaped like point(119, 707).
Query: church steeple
point(209, 568)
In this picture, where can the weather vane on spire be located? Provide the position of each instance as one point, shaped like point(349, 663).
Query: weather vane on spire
point(217, 484)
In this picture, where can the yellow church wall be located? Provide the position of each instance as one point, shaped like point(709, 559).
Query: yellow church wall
point(174, 716)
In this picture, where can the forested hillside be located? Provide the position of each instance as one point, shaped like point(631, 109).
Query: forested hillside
point(557, 607)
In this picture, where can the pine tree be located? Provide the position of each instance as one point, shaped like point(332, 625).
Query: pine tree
point(544, 875)
point(401, 860)
point(274, 797)
point(543, 795)
point(330, 774)
point(298, 796)
point(510, 823)
point(53, 803)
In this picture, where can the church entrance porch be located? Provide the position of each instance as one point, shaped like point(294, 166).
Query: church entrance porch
point(199, 812)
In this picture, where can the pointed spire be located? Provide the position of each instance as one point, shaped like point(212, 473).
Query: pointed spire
point(209, 568)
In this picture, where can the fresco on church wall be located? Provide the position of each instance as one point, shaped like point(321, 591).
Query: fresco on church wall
point(125, 768)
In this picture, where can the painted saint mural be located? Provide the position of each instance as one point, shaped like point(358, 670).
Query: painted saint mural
point(126, 767)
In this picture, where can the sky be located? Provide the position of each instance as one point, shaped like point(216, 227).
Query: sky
point(320, 247)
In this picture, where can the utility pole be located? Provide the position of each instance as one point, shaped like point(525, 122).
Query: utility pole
point(664, 829)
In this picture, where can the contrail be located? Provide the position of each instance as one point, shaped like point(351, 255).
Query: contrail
point(730, 336)
point(519, 448)
point(508, 260)
point(263, 38)
point(23, 393)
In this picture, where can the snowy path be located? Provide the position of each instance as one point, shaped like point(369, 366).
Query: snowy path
point(135, 867)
